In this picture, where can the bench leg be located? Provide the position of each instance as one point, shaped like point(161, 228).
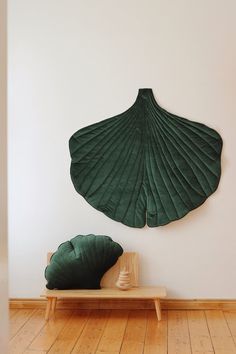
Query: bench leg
point(54, 304)
point(48, 308)
point(158, 308)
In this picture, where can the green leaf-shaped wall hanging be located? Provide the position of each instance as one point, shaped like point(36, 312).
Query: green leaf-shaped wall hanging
point(146, 165)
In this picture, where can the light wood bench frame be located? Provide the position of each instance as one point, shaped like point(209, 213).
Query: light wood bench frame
point(128, 260)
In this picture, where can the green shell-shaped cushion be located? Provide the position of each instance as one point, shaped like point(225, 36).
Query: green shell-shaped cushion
point(81, 262)
point(145, 165)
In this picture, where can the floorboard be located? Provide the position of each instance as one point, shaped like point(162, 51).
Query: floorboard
point(156, 334)
point(199, 334)
point(222, 339)
point(49, 333)
point(230, 317)
point(27, 332)
point(67, 338)
point(18, 320)
point(12, 312)
point(92, 333)
point(178, 333)
point(123, 332)
point(135, 332)
point(113, 334)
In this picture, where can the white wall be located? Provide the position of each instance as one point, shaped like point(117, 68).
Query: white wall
point(3, 182)
point(73, 63)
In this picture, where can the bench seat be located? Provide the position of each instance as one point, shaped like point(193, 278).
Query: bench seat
point(148, 293)
point(129, 261)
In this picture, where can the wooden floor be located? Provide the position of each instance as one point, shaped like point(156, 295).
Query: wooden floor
point(122, 331)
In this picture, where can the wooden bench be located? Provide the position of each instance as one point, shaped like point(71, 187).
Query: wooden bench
point(128, 260)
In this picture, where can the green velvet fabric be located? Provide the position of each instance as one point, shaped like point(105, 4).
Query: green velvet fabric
point(81, 262)
point(145, 165)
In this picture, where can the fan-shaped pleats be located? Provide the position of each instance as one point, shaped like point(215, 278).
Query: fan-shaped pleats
point(81, 262)
point(145, 165)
